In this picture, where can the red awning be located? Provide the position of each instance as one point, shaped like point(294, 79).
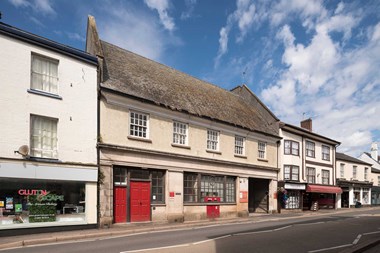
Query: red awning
point(323, 189)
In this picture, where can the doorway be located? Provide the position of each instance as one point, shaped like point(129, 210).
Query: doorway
point(258, 200)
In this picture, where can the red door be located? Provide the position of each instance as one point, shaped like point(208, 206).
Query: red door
point(120, 204)
point(140, 201)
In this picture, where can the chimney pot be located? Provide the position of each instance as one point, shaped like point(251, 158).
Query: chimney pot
point(307, 124)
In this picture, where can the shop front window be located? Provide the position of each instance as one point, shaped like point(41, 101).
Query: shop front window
point(38, 201)
point(291, 199)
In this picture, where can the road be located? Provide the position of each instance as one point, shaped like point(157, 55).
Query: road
point(330, 233)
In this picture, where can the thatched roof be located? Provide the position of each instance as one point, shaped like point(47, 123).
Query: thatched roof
point(142, 78)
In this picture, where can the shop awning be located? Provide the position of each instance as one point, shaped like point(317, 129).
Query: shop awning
point(323, 189)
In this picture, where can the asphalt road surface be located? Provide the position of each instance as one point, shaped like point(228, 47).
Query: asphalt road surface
point(333, 233)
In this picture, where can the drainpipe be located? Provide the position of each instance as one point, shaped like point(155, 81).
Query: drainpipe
point(303, 160)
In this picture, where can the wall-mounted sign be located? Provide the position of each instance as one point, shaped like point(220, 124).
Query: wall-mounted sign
point(295, 186)
point(171, 194)
point(243, 197)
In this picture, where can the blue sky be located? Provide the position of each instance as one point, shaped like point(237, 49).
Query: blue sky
point(303, 58)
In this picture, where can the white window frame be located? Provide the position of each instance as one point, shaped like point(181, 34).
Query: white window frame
point(324, 176)
point(310, 175)
point(261, 150)
point(51, 84)
point(212, 140)
point(378, 180)
point(239, 145)
point(290, 170)
point(325, 155)
point(354, 172)
point(139, 127)
point(310, 149)
point(365, 173)
point(43, 140)
point(180, 133)
point(342, 170)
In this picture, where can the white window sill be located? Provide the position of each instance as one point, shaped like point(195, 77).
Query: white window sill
point(262, 160)
point(213, 151)
point(180, 146)
point(134, 138)
point(240, 156)
point(44, 93)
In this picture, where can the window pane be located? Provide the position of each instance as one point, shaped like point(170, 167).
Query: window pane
point(44, 74)
point(43, 137)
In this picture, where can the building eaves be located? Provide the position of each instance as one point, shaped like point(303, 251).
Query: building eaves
point(347, 158)
point(141, 78)
point(304, 132)
point(31, 38)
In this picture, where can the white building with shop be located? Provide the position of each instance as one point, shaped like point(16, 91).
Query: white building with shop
point(374, 176)
point(48, 157)
point(353, 176)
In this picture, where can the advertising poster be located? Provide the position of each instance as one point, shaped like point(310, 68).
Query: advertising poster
point(9, 203)
point(18, 208)
point(1, 203)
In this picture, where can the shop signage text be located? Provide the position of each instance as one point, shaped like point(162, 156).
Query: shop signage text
point(27, 192)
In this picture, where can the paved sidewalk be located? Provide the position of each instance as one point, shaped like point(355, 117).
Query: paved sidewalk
point(131, 228)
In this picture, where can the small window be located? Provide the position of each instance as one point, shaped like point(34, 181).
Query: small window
point(212, 140)
point(239, 145)
point(291, 172)
point(310, 175)
point(158, 186)
point(291, 147)
point(262, 150)
point(354, 171)
point(43, 141)
point(44, 74)
point(310, 149)
point(325, 153)
point(342, 170)
point(179, 133)
point(138, 124)
point(325, 177)
point(365, 174)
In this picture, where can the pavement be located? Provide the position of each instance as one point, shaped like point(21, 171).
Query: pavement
point(133, 228)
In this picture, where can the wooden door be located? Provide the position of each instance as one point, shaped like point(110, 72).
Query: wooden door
point(120, 204)
point(140, 201)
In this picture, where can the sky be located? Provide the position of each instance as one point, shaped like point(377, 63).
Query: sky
point(302, 58)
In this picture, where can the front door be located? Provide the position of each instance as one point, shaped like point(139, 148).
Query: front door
point(120, 204)
point(140, 201)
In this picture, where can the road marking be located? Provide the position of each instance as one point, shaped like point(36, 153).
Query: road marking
point(157, 248)
point(277, 229)
point(264, 231)
point(370, 233)
point(325, 249)
point(214, 239)
point(314, 223)
point(357, 239)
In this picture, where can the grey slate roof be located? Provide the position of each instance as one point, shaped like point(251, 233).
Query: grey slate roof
point(344, 157)
point(133, 75)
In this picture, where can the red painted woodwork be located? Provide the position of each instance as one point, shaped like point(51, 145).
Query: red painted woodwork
point(140, 201)
point(120, 204)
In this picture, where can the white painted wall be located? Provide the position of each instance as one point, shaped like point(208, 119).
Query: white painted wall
point(76, 112)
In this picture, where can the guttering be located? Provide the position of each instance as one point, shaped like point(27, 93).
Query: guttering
point(31, 38)
point(187, 112)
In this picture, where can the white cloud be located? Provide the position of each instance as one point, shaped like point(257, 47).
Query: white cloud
point(44, 7)
point(162, 6)
point(243, 17)
point(134, 30)
point(338, 87)
point(190, 5)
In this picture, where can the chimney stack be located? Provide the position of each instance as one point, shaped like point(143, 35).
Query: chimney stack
point(307, 124)
point(374, 152)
